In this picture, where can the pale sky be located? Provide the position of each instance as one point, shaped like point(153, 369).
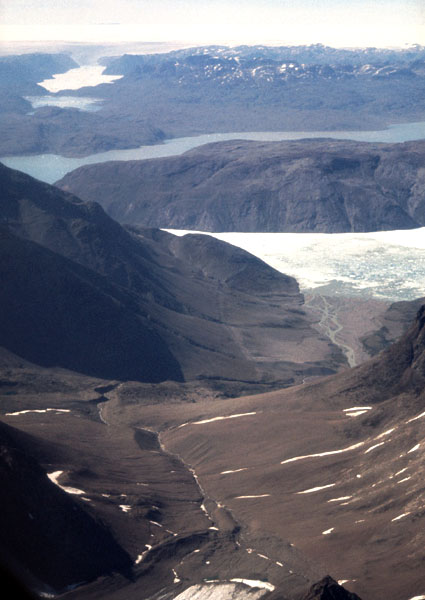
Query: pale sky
point(332, 22)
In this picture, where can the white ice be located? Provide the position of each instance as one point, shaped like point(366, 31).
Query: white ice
point(125, 507)
point(317, 489)
point(405, 479)
point(74, 79)
point(422, 597)
point(329, 453)
point(385, 264)
point(69, 490)
point(328, 531)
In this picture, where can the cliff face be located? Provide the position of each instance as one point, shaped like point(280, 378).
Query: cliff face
point(307, 186)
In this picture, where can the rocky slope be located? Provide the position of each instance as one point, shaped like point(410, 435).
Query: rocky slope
point(334, 466)
point(271, 491)
point(306, 186)
point(153, 306)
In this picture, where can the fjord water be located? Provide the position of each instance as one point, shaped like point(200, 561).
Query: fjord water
point(387, 265)
point(52, 167)
point(80, 102)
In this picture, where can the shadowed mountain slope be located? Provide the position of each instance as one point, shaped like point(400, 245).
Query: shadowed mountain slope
point(223, 315)
point(58, 313)
point(306, 186)
point(391, 324)
point(328, 589)
point(35, 514)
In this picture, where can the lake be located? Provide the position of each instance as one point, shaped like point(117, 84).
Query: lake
point(51, 167)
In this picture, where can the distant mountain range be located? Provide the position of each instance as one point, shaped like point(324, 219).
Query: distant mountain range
point(305, 186)
point(270, 64)
point(216, 89)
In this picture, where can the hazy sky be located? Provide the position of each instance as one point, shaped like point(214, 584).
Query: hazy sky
point(332, 22)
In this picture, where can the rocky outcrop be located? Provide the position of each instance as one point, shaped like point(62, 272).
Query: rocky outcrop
point(328, 589)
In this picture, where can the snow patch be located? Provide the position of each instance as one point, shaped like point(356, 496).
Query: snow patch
point(125, 507)
point(69, 490)
point(410, 421)
point(340, 498)
point(317, 489)
point(155, 523)
point(234, 471)
point(381, 435)
point(222, 418)
point(414, 448)
point(258, 496)
point(373, 447)
point(177, 579)
point(328, 531)
point(144, 553)
point(318, 454)
point(265, 585)
point(38, 410)
point(400, 516)
point(400, 472)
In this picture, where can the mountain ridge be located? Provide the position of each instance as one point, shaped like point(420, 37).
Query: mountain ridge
point(324, 186)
